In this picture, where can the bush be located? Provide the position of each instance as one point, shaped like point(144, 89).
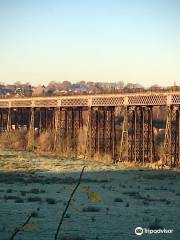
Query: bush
point(23, 193)
point(50, 201)
point(34, 214)
point(36, 191)
point(9, 191)
point(45, 142)
point(91, 209)
point(34, 199)
point(118, 199)
point(19, 200)
point(10, 197)
point(15, 139)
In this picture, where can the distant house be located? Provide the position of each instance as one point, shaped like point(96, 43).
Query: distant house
point(81, 89)
point(26, 90)
point(155, 88)
point(7, 90)
point(1, 89)
point(11, 87)
point(39, 90)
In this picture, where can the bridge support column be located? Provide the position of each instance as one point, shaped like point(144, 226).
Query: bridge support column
point(1, 121)
point(57, 127)
point(15, 118)
point(149, 147)
point(75, 123)
point(28, 118)
point(31, 135)
point(51, 122)
point(101, 132)
point(172, 137)
point(123, 155)
point(137, 141)
point(6, 119)
point(63, 129)
point(9, 119)
point(45, 119)
point(21, 114)
point(68, 120)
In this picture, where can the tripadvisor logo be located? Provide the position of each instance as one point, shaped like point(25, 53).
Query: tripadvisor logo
point(139, 231)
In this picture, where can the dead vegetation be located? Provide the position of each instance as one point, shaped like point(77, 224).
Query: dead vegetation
point(49, 143)
point(16, 140)
point(45, 142)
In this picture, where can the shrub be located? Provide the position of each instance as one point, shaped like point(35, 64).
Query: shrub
point(45, 142)
point(34, 214)
point(50, 201)
point(23, 193)
point(91, 209)
point(118, 199)
point(34, 199)
point(36, 191)
point(14, 140)
point(168, 202)
point(146, 203)
point(10, 197)
point(9, 190)
point(19, 200)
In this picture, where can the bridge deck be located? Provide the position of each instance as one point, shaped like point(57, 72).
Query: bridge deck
point(140, 99)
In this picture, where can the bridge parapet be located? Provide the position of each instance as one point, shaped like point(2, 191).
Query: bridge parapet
point(4, 104)
point(147, 100)
point(19, 103)
point(108, 101)
point(71, 102)
point(143, 99)
point(46, 103)
point(175, 99)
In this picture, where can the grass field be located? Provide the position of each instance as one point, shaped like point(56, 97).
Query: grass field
point(111, 201)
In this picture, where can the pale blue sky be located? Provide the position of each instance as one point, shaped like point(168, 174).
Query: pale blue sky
point(98, 40)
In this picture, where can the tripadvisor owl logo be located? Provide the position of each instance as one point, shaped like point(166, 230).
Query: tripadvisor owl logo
point(139, 231)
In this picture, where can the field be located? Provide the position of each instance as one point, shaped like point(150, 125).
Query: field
point(111, 201)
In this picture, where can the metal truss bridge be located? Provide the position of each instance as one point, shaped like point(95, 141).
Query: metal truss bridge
point(96, 116)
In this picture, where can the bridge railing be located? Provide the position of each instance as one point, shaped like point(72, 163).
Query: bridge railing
point(136, 99)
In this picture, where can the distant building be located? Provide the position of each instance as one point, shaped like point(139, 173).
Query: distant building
point(39, 90)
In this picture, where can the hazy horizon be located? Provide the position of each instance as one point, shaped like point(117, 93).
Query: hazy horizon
point(41, 83)
point(130, 41)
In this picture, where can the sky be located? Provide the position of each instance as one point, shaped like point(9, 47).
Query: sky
point(134, 41)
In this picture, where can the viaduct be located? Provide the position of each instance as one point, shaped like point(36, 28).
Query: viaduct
point(67, 115)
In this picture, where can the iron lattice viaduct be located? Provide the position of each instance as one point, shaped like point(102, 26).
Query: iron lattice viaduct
point(66, 116)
